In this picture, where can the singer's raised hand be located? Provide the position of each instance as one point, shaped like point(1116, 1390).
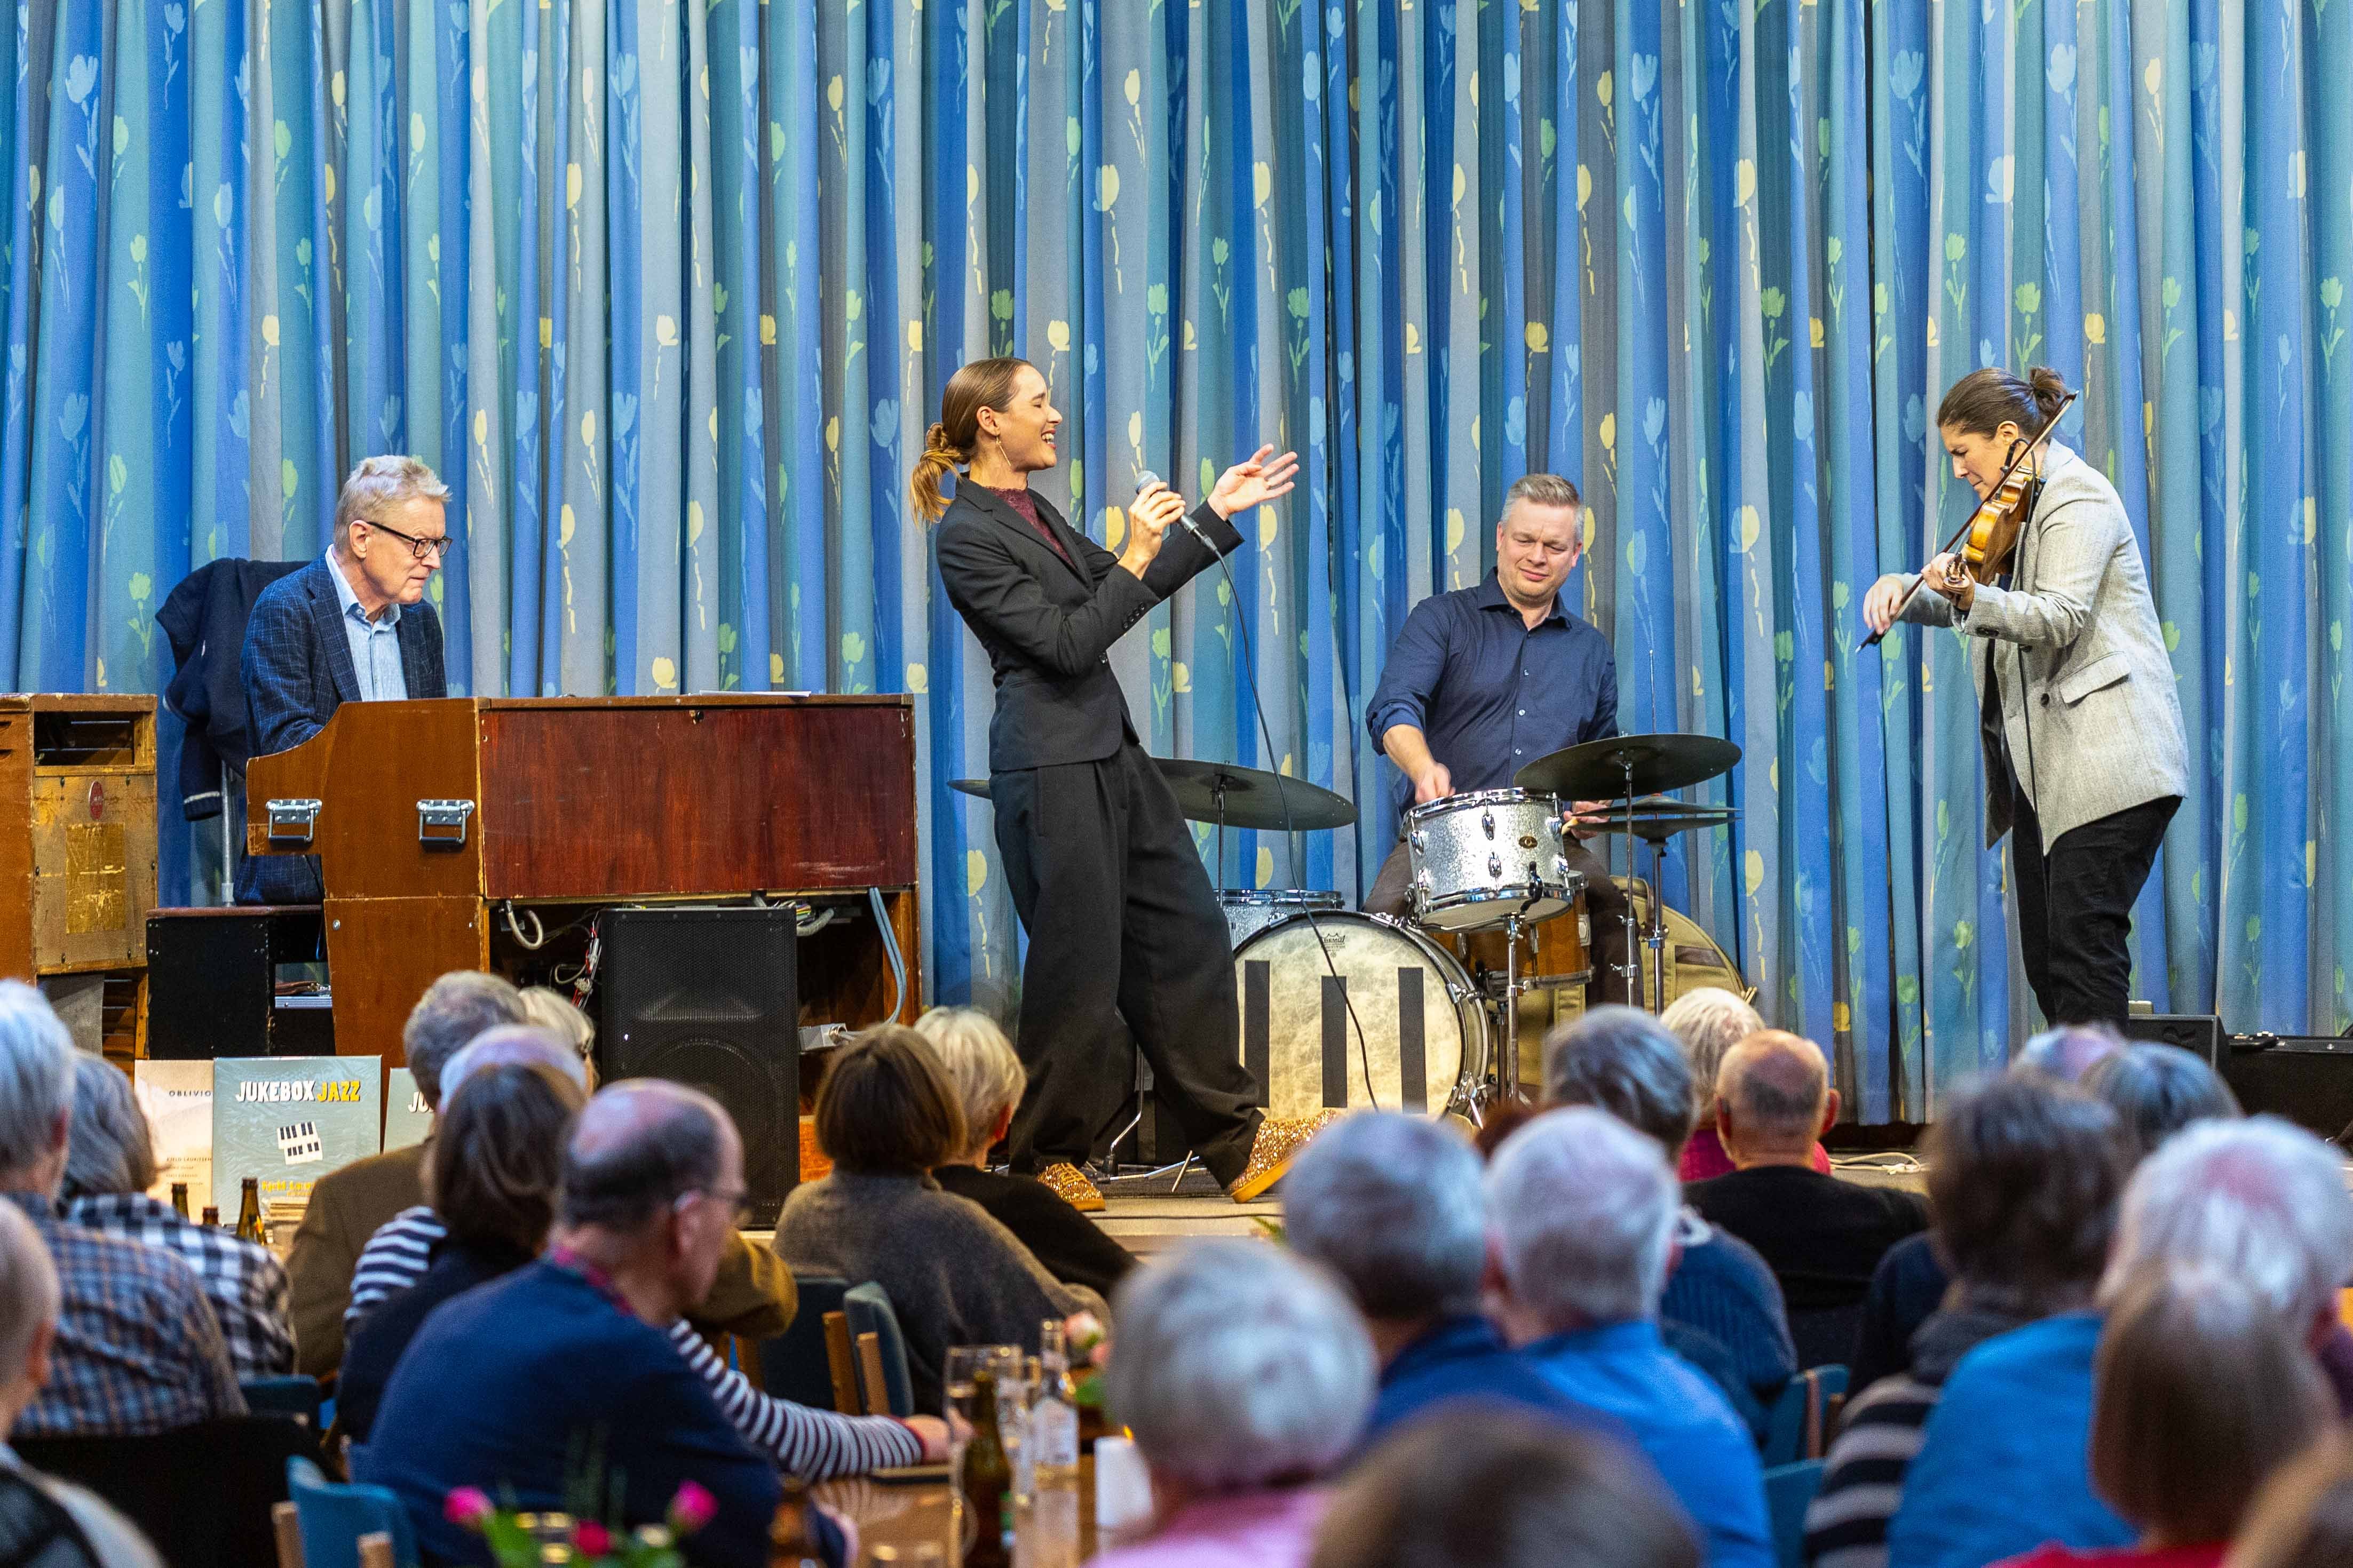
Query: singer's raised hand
point(1259, 479)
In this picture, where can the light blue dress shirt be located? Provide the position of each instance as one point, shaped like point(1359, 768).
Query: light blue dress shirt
point(375, 643)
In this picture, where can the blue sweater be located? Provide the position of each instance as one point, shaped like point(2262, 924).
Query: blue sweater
point(1678, 1418)
point(2005, 1465)
point(504, 1384)
point(1464, 1359)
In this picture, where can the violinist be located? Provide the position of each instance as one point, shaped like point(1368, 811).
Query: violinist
point(2082, 729)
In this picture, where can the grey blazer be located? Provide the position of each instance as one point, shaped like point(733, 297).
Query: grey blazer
point(2096, 728)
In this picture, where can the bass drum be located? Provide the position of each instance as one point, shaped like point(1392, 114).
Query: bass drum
point(1421, 1024)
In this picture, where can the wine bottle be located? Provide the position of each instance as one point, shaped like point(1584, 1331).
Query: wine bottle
point(249, 1211)
point(985, 1479)
point(1054, 1418)
point(212, 1217)
point(180, 1198)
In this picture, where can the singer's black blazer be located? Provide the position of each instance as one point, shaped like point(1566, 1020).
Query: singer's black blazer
point(1049, 629)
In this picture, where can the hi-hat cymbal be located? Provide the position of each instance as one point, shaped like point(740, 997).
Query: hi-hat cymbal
point(1252, 797)
point(1597, 769)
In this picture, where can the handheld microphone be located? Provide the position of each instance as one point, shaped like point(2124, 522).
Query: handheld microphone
point(1148, 478)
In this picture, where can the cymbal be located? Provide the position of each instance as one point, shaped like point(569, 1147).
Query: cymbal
point(1253, 796)
point(1596, 769)
point(1653, 826)
point(1250, 795)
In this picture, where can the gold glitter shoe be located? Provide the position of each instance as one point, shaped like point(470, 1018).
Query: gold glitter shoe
point(1280, 1140)
point(1070, 1186)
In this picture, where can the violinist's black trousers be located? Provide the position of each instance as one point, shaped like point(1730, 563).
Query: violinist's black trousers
point(2075, 903)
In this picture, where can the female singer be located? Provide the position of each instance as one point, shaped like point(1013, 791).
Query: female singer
point(2078, 715)
point(1125, 935)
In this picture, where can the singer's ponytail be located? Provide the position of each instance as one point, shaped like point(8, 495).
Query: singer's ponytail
point(949, 444)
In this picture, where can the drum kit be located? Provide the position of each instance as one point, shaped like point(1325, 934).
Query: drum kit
point(1420, 1013)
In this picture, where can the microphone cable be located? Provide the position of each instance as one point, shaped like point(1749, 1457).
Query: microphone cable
point(1282, 790)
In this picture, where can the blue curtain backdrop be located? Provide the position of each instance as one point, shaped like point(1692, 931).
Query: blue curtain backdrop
point(667, 292)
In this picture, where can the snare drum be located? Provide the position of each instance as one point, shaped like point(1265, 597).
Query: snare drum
point(1478, 860)
point(1252, 910)
point(1421, 1022)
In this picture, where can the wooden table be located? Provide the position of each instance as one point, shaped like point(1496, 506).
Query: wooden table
point(907, 1517)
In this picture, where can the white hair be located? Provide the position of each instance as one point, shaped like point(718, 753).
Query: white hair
point(2261, 1201)
point(376, 483)
point(552, 1010)
point(1709, 1021)
point(1391, 1204)
point(111, 1149)
point(30, 1297)
point(1236, 1365)
point(514, 1045)
point(1583, 1209)
point(36, 1058)
point(987, 1078)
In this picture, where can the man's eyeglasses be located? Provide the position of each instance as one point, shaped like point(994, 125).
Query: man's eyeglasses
point(419, 548)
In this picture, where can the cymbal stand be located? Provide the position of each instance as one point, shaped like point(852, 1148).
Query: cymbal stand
point(1218, 795)
point(1632, 970)
point(1656, 939)
point(1509, 1089)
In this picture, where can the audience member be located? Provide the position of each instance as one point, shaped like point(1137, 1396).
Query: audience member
point(887, 1114)
point(348, 1206)
point(1708, 1021)
point(110, 1165)
point(1499, 1122)
point(1582, 1212)
point(2304, 1517)
point(2200, 1396)
point(2002, 1468)
point(45, 1522)
point(813, 1444)
point(2065, 1054)
point(1472, 1490)
point(137, 1349)
point(506, 1386)
point(1244, 1377)
point(554, 1011)
point(1821, 1235)
point(1391, 1204)
point(2155, 1091)
point(493, 1177)
point(2023, 1178)
point(988, 1080)
point(1722, 1311)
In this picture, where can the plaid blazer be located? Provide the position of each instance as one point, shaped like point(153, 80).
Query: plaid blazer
point(242, 1279)
point(297, 666)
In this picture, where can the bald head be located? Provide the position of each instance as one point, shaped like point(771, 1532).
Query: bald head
point(1773, 1096)
point(638, 1147)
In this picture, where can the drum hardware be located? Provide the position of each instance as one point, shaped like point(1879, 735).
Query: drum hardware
point(1659, 821)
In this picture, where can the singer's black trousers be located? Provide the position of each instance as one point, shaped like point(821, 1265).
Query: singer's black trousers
point(1126, 940)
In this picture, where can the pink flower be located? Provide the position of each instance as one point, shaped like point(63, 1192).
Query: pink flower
point(592, 1538)
point(468, 1506)
point(691, 1509)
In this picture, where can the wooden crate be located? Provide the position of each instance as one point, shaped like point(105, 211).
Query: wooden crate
point(78, 842)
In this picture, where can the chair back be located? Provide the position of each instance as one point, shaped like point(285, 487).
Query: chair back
point(334, 1517)
point(1788, 1491)
point(793, 1364)
point(1825, 1336)
point(1799, 1425)
point(201, 1493)
point(868, 1307)
point(297, 1396)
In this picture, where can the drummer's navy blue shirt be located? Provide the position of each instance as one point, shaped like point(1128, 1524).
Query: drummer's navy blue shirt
point(1488, 694)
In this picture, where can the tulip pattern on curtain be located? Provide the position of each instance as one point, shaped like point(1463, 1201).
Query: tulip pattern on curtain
point(667, 293)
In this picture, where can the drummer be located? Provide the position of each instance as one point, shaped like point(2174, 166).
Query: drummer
point(1482, 681)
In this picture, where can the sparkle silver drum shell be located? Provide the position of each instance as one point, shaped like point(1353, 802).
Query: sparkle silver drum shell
point(1478, 860)
point(1252, 910)
point(1421, 1022)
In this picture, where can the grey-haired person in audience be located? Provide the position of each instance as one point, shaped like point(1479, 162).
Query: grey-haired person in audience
point(110, 1168)
point(1723, 1310)
point(1245, 1376)
point(47, 1522)
point(1391, 1204)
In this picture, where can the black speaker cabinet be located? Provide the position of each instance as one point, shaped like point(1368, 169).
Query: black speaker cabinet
point(711, 998)
point(2308, 1079)
point(2199, 1032)
point(212, 983)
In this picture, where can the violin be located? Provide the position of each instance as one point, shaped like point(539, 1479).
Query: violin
point(1982, 549)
